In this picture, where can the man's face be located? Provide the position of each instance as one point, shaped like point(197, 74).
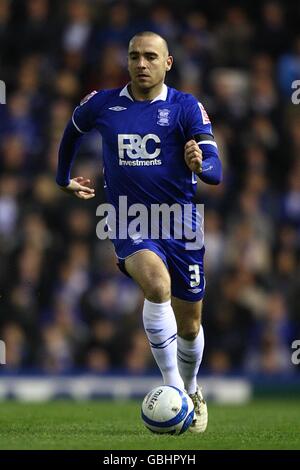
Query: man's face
point(148, 61)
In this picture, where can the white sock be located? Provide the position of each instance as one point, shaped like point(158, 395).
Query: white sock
point(161, 329)
point(189, 355)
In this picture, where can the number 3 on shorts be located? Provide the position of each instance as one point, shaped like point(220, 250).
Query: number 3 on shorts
point(195, 275)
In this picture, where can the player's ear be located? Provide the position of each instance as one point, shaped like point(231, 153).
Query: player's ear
point(169, 63)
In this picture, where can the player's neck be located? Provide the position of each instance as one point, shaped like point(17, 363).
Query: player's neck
point(145, 94)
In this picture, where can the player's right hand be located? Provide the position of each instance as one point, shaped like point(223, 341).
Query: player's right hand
point(79, 187)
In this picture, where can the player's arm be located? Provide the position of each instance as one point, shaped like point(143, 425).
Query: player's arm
point(76, 127)
point(201, 151)
point(202, 158)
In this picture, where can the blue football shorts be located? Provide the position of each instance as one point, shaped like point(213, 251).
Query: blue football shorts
point(185, 266)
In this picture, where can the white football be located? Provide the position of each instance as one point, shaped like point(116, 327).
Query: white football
point(167, 410)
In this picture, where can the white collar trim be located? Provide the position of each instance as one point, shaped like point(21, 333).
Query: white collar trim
point(161, 97)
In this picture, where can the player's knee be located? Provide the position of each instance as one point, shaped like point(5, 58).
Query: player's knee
point(158, 291)
point(189, 332)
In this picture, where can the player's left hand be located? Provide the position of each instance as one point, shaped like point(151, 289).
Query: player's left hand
point(193, 156)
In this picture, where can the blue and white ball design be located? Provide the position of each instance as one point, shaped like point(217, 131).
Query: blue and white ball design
point(167, 410)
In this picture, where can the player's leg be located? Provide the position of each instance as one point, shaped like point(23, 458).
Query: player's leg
point(151, 274)
point(149, 271)
point(190, 340)
point(188, 285)
point(190, 344)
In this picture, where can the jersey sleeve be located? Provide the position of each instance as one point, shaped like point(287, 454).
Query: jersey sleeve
point(83, 116)
point(199, 128)
point(82, 121)
point(196, 119)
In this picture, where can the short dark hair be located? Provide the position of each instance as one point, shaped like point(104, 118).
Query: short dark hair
point(150, 33)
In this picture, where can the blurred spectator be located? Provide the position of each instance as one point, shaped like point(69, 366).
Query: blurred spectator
point(234, 37)
point(291, 199)
point(56, 353)
point(289, 68)
point(117, 28)
point(272, 337)
point(214, 243)
point(139, 356)
point(17, 348)
point(38, 29)
point(272, 34)
point(9, 209)
point(78, 27)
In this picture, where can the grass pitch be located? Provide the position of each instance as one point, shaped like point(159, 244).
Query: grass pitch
point(261, 424)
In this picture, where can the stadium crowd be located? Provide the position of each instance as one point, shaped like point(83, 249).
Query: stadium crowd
point(64, 305)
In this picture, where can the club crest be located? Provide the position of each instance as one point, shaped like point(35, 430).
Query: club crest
point(163, 118)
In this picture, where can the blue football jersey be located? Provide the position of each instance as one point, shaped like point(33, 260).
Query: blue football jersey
point(143, 159)
point(143, 143)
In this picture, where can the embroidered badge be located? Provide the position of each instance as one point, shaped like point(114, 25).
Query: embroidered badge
point(163, 117)
point(204, 114)
point(87, 97)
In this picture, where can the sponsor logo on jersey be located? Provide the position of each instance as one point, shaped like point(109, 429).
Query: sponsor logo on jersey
point(137, 150)
point(163, 117)
point(117, 108)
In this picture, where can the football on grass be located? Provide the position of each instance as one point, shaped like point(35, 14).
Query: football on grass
point(167, 410)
